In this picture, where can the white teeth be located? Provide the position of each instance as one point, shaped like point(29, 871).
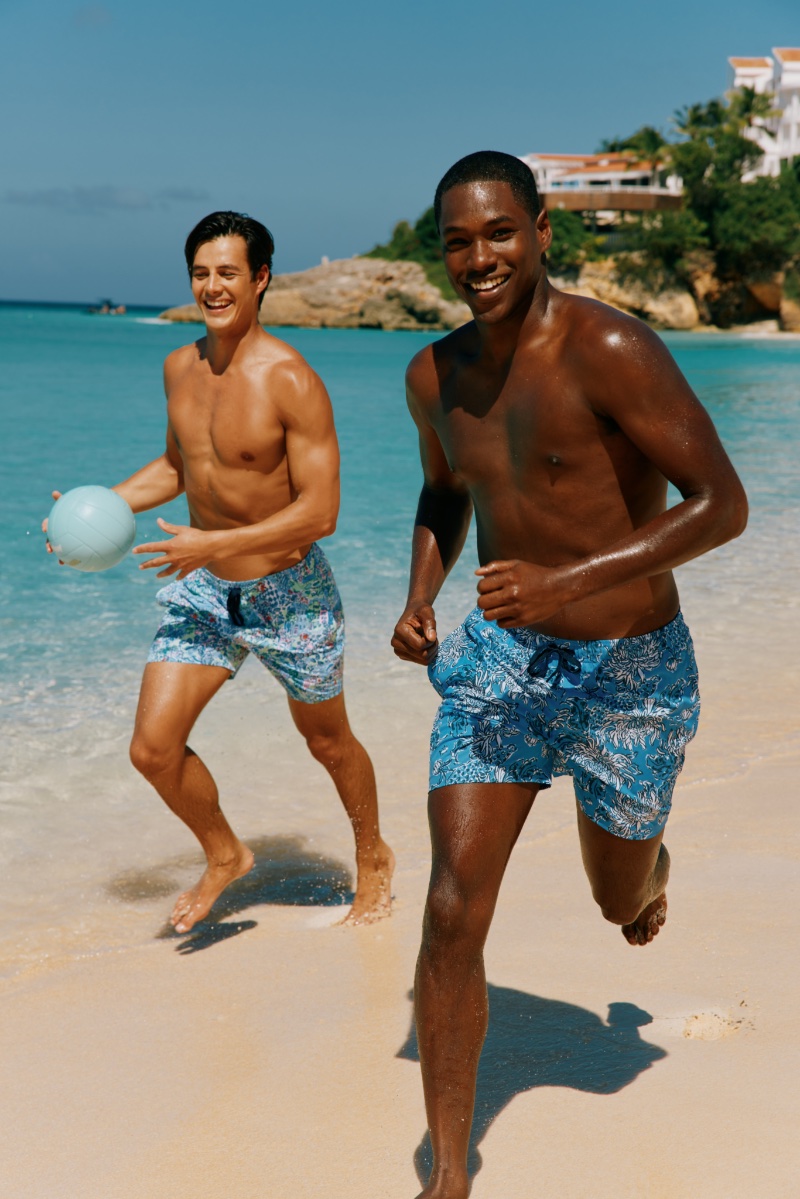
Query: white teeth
point(488, 284)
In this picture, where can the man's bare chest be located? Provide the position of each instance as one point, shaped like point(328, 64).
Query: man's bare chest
point(234, 425)
point(524, 429)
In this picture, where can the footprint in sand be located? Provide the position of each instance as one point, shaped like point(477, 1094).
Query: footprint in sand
point(711, 1025)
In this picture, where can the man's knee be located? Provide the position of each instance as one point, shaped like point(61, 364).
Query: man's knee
point(330, 749)
point(452, 916)
point(152, 758)
point(618, 907)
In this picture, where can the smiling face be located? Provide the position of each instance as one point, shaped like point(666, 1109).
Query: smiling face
point(492, 248)
point(222, 284)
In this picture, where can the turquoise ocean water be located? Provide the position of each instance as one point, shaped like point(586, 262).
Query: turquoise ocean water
point(81, 402)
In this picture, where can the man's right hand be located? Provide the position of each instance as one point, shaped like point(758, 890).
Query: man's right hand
point(414, 637)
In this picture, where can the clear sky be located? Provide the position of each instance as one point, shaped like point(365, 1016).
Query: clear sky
point(122, 123)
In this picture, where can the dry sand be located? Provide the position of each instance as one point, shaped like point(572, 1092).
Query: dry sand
point(269, 1054)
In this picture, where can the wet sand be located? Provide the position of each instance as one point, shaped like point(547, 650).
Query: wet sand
point(268, 1053)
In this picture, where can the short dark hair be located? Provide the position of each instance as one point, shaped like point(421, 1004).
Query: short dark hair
point(491, 166)
point(257, 237)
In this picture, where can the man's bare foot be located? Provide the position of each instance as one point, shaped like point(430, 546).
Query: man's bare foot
point(373, 898)
point(196, 903)
point(647, 923)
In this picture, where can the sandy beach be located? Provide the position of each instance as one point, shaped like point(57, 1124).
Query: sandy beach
point(269, 1053)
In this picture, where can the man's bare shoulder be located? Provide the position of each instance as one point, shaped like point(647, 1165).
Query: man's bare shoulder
point(281, 365)
point(186, 355)
point(620, 361)
point(183, 359)
point(286, 381)
point(594, 329)
point(431, 367)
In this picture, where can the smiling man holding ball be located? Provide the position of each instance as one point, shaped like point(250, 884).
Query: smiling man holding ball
point(251, 442)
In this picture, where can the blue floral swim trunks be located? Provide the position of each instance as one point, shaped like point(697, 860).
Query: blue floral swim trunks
point(520, 707)
point(291, 620)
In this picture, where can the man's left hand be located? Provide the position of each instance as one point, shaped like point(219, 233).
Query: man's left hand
point(186, 550)
point(518, 593)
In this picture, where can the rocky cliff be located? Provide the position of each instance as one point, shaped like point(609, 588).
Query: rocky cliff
point(352, 293)
point(673, 308)
point(790, 315)
point(373, 293)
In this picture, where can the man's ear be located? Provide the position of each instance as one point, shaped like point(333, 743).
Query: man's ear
point(263, 277)
point(545, 230)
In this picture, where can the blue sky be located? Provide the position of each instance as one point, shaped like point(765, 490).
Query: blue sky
point(123, 123)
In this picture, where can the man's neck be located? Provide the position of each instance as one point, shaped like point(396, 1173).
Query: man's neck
point(499, 342)
point(223, 349)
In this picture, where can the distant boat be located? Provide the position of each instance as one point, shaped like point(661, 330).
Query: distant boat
point(108, 308)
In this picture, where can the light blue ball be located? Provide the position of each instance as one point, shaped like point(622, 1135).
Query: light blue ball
point(91, 528)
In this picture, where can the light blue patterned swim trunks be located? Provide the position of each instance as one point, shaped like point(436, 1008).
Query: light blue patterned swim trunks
point(291, 620)
point(519, 707)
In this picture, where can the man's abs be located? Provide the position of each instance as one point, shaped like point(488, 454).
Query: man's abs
point(628, 610)
point(256, 566)
point(234, 499)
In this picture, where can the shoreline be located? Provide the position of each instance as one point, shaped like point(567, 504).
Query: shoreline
point(157, 314)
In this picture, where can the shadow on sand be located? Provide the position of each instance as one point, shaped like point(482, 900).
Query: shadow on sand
point(537, 1042)
point(286, 872)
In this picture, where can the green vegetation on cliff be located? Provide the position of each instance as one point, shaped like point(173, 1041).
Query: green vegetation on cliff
point(418, 243)
point(732, 232)
point(572, 244)
point(738, 232)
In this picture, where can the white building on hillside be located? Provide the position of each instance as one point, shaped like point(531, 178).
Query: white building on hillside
point(778, 137)
point(606, 184)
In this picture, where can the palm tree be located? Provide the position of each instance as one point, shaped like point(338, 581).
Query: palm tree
point(646, 143)
point(700, 121)
point(747, 107)
point(649, 143)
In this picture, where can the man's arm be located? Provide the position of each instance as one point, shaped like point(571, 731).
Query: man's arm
point(632, 378)
point(157, 483)
point(312, 454)
point(440, 528)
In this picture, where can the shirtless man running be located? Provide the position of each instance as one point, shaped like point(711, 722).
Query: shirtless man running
point(558, 421)
point(251, 441)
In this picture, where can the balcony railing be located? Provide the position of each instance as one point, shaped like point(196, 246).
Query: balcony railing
point(633, 188)
point(613, 198)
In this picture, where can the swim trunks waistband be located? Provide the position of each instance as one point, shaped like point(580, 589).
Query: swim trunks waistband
point(277, 579)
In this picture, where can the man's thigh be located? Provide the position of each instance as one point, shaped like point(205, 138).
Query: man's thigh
point(196, 627)
point(474, 827)
point(297, 629)
point(617, 868)
point(624, 735)
point(172, 696)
